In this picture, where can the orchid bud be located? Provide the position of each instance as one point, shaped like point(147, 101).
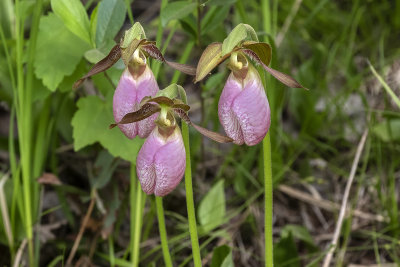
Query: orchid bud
point(243, 107)
point(161, 161)
point(130, 91)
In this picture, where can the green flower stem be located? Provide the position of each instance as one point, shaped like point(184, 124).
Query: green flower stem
point(111, 250)
point(24, 131)
point(268, 187)
point(163, 232)
point(189, 191)
point(136, 216)
point(189, 199)
point(136, 198)
point(268, 181)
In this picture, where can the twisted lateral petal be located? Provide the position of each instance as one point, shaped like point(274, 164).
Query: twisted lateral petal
point(243, 109)
point(161, 162)
point(127, 97)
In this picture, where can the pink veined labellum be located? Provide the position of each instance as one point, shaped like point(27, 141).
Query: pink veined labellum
point(137, 81)
point(161, 161)
point(243, 107)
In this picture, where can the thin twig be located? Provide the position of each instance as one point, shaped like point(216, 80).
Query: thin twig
point(327, 205)
point(81, 230)
point(288, 22)
point(4, 211)
point(19, 253)
point(346, 194)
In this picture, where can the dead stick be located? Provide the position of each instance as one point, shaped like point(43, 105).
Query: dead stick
point(346, 194)
point(81, 230)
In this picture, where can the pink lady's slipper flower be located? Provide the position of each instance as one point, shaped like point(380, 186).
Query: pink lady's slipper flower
point(137, 81)
point(161, 162)
point(243, 107)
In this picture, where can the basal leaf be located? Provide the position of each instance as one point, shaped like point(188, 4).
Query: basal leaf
point(176, 10)
point(111, 16)
point(90, 125)
point(222, 257)
point(285, 252)
point(74, 16)
point(388, 130)
point(211, 210)
point(58, 51)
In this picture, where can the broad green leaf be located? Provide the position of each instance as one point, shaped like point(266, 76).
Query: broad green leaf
point(105, 166)
point(388, 130)
point(68, 81)
point(188, 25)
point(135, 32)
point(74, 16)
point(111, 16)
point(66, 111)
point(90, 125)
point(58, 51)
point(211, 210)
point(222, 257)
point(94, 55)
point(285, 252)
point(7, 16)
point(102, 65)
point(298, 232)
point(107, 85)
point(241, 32)
point(221, 2)
point(210, 58)
point(40, 91)
point(93, 23)
point(6, 92)
point(214, 18)
point(26, 9)
point(176, 10)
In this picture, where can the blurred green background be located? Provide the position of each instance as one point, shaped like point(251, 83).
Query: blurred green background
point(328, 46)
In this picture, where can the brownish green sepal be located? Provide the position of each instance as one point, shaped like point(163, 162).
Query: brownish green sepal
point(166, 101)
point(152, 50)
point(144, 112)
point(102, 65)
point(263, 50)
point(211, 58)
point(282, 77)
point(220, 138)
point(127, 53)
